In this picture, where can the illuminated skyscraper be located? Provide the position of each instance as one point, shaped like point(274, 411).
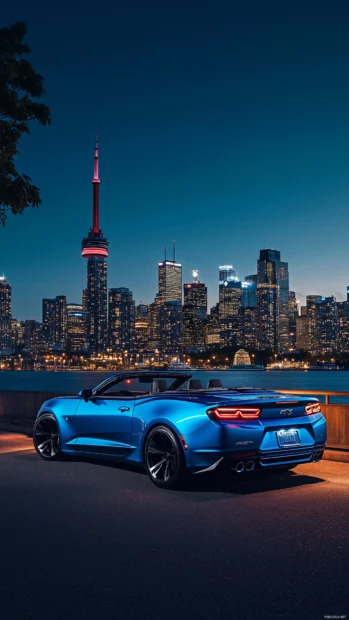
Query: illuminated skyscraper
point(17, 333)
point(142, 329)
point(31, 336)
point(5, 315)
point(76, 334)
point(170, 280)
point(284, 288)
point(166, 322)
point(249, 292)
point(302, 333)
point(311, 323)
point(170, 315)
point(121, 315)
point(272, 301)
point(213, 329)
point(154, 324)
point(230, 303)
point(48, 322)
point(5, 299)
point(326, 325)
point(61, 322)
point(194, 314)
point(230, 297)
point(343, 327)
point(292, 318)
point(250, 327)
point(95, 250)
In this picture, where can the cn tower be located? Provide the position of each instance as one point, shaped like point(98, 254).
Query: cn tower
point(95, 250)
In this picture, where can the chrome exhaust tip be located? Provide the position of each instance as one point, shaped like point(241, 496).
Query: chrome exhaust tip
point(240, 467)
point(250, 465)
point(317, 457)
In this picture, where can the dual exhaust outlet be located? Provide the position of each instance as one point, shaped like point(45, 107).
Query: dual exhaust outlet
point(241, 466)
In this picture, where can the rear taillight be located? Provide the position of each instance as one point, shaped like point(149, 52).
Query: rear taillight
point(312, 408)
point(233, 413)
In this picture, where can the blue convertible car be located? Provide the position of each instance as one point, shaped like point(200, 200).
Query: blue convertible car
point(172, 425)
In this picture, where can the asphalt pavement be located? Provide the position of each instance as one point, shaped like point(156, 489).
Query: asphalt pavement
point(86, 540)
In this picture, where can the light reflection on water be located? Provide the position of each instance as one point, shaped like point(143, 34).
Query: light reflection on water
point(72, 382)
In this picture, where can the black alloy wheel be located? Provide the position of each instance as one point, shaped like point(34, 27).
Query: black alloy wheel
point(164, 458)
point(46, 437)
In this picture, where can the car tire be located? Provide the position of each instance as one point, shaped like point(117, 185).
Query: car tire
point(164, 458)
point(46, 437)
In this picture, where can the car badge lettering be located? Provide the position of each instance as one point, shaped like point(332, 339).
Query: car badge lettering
point(286, 411)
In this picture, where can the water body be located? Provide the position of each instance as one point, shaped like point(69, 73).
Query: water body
point(71, 382)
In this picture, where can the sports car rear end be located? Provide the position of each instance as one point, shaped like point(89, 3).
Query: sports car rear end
point(258, 431)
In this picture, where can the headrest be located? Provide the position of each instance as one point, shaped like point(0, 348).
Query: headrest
point(194, 384)
point(159, 385)
point(214, 383)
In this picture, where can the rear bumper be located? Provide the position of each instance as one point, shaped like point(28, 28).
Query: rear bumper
point(267, 460)
point(290, 456)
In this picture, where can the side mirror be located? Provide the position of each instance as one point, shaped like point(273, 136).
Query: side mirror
point(86, 394)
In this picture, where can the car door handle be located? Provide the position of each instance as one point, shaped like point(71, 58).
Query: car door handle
point(124, 409)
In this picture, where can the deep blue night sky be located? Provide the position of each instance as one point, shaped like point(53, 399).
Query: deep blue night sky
point(222, 125)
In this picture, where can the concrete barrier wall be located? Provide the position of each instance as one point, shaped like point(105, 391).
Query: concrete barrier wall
point(22, 407)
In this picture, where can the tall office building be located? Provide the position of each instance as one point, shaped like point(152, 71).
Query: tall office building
point(326, 325)
point(230, 304)
point(154, 324)
point(284, 328)
point(250, 327)
point(343, 327)
point(142, 329)
point(272, 301)
point(48, 322)
point(292, 318)
point(249, 292)
point(213, 329)
point(163, 332)
point(230, 298)
point(170, 280)
point(5, 299)
point(95, 250)
point(121, 319)
point(76, 333)
point(194, 314)
point(311, 301)
point(61, 322)
point(31, 336)
point(171, 329)
point(302, 333)
point(54, 323)
point(5, 315)
point(17, 333)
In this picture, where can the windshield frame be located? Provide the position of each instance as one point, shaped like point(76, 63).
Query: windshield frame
point(178, 380)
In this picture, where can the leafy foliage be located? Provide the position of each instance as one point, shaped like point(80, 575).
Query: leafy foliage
point(20, 86)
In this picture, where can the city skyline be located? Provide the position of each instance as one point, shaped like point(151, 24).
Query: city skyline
point(259, 312)
point(212, 293)
point(212, 149)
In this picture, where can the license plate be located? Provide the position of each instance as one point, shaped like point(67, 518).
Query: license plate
point(288, 438)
